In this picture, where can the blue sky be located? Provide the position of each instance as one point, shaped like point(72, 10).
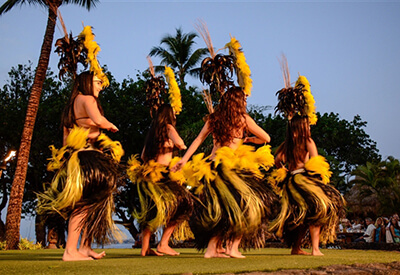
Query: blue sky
point(348, 50)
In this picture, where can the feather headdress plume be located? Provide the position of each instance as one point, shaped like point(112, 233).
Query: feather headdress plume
point(303, 84)
point(242, 68)
point(71, 51)
point(173, 90)
point(217, 69)
point(93, 49)
point(297, 99)
point(155, 89)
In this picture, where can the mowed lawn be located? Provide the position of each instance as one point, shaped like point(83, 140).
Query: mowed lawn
point(129, 261)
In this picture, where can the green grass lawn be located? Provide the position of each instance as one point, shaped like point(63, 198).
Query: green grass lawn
point(129, 261)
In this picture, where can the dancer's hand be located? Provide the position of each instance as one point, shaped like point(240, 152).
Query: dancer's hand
point(113, 128)
point(247, 140)
point(178, 166)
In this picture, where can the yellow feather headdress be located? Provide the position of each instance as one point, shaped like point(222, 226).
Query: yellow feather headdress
point(173, 90)
point(93, 49)
point(297, 99)
point(155, 90)
point(242, 68)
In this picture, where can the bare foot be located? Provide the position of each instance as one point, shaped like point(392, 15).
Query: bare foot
point(89, 252)
point(317, 253)
point(237, 255)
point(221, 250)
point(215, 255)
point(151, 252)
point(70, 256)
point(167, 250)
point(299, 252)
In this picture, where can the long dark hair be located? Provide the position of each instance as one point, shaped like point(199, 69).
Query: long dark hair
point(158, 133)
point(229, 116)
point(82, 85)
point(294, 148)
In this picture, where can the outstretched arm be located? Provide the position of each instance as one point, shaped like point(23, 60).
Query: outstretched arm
point(193, 147)
point(176, 139)
point(260, 136)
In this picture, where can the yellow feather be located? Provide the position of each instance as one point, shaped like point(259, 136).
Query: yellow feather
point(244, 72)
point(93, 49)
point(173, 90)
point(319, 165)
point(310, 102)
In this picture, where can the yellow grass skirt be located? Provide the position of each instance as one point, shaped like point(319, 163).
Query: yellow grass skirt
point(234, 200)
point(307, 199)
point(87, 175)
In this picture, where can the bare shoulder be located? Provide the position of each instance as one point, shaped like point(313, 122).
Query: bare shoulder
point(85, 98)
point(312, 148)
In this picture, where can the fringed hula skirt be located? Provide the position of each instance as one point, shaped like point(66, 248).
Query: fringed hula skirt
point(307, 199)
point(162, 197)
point(87, 176)
point(234, 200)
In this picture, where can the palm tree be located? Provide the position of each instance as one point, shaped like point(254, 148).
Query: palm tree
point(179, 55)
point(13, 219)
point(377, 187)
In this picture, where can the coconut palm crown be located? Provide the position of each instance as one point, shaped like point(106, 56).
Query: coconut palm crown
point(179, 55)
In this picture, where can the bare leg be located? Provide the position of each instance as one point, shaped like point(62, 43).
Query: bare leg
point(211, 251)
point(220, 248)
point(296, 248)
point(234, 249)
point(146, 251)
point(163, 246)
point(71, 252)
point(314, 233)
point(86, 250)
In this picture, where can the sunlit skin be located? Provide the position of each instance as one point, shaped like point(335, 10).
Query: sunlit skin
point(85, 106)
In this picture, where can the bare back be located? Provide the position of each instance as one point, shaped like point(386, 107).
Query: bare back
point(311, 152)
point(174, 140)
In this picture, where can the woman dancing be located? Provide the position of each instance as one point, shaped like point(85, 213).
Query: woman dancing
point(87, 172)
point(308, 202)
point(163, 201)
point(232, 198)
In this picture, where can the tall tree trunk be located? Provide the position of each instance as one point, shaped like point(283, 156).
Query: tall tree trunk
point(13, 220)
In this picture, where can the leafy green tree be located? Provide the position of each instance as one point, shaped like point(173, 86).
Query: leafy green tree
point(378, 182)
point(14, 97)
point(179, 55)
point(17, 190)
point(345, 144)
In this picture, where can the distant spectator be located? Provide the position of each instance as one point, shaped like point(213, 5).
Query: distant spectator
point(379, 233)
point(395, 229)
point(368, 234)
point(348, 227)
point(389, 238)
point(358, 226)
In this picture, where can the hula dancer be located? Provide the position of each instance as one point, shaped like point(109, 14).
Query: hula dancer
point(163, 199)
point(308, 201)
point(233, 199)
point(87, 165)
